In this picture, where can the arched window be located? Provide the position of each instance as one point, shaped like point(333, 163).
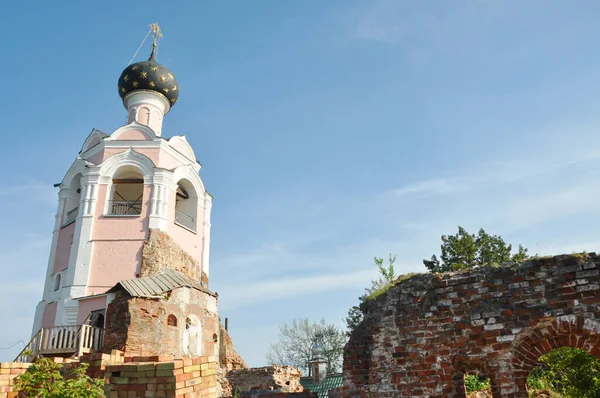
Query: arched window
point(57, 279)
point(72, 204)
point(127, 192)
point(186, 205)
point(172, 320)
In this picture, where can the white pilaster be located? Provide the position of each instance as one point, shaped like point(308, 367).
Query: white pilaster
point(162, 183)
point(206, 235)
point(82, 249)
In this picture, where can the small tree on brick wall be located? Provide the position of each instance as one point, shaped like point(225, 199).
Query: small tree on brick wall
point(465, 251)
point(294, 347)
point(387, 275)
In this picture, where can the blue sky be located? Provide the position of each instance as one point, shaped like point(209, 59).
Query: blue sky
point(329, 133)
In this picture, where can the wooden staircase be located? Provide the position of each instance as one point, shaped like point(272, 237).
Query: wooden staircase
point(63, 341)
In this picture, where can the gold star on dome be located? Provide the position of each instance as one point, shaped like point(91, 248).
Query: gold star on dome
point(135, 67)
point(172, 99)
point(163, 78)
point(152, 84)
point(170, 76)
point(143, 74)
point(154, 68)
point(126, 78)
point(135, 84)
point(174, 88)
point(166, 90)
point(123, 89)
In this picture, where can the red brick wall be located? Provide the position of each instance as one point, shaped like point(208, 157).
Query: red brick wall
point(138, 326)
point(8, 371)
point(425, 333)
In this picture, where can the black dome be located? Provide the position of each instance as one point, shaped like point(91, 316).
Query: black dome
point(149, 75)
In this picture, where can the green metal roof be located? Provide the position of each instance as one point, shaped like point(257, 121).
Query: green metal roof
point(330, 383)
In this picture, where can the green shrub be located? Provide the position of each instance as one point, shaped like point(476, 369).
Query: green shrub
point(569, 371)
point(45, 380)
point(476, 383)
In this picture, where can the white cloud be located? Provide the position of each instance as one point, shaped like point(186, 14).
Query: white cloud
point(435, 187)
point(492, 173)
point(523, 211)
point(236, 296)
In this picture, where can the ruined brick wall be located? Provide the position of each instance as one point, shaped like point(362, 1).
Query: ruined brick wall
point(139, 326)
point(117, 322)
point(230, 359)
point(271, 378)
point(160, 252)
point(425, 333)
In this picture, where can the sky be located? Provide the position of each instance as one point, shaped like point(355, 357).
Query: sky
point(329, 132)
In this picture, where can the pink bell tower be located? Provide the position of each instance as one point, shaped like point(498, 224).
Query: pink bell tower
point(126, 195)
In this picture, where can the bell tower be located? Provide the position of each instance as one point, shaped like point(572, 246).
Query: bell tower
point(127, 194)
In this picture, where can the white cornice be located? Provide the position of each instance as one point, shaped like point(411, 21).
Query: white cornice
point(134, 125)
point(158, 144)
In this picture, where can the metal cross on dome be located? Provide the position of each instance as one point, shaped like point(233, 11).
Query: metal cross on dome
point(157, 32)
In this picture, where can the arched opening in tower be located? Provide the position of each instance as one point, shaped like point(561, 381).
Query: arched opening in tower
point(127, 192)
point(71, 209)
point(186, 205)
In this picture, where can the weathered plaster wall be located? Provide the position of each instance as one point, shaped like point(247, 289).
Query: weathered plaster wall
point(425, 333)
point(49, 316)
point(86, 306)
point(138, 326)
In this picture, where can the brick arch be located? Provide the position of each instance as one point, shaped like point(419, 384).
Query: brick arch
point(564, 331)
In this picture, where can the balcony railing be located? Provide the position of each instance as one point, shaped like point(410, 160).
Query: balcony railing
point(71, 216)
point(125, 207)
point(184, 220)
point(61, 340)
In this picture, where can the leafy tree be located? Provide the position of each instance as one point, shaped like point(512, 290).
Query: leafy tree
point(45, 380)
point(387, 275)
point(475, 383)
point(295, 344)
point(569, 371)
point(465, 251)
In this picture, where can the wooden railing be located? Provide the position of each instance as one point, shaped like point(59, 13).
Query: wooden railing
point(125, 207)
point(63, 340)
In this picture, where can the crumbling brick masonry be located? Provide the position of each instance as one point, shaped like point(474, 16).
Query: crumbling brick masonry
point(425, 333)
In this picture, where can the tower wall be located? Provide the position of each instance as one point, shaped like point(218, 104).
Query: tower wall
point(93, 248)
